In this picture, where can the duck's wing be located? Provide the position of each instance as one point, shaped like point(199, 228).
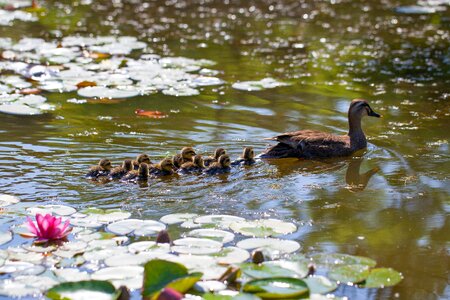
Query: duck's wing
point(299, 139)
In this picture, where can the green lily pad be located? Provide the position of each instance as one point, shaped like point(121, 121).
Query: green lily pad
point(350, 273)
point(320, 284)
point(196, 246)
point(382, 277)
point(264, 271)
point(274, 247)
point(213, 234)
point(159, 274)
point(277, 288)
point(263, 227)
point(60, 210)
point(92, 289)
point(231, 255)
point(343, 259)
point(177, 218)
point(229, 296)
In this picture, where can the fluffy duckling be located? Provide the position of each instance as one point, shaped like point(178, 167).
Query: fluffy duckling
point(163, 168)
point(141, 158)
point(246, 159)
point(222, 166)
point(141, 174)
point(195, 166)
point(186, 155)
point(102, 169)
point(119, 172)
point(212, 159)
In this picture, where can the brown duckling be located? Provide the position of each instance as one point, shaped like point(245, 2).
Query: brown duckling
point(141, 174)
point(187, 154)
point(163, 168)
point(212, 159)
point(119, 172)
point(102, 169)
point(222, 166)
point(195, 166)
point(317, 144)
point(247, 158)
point(141, 158)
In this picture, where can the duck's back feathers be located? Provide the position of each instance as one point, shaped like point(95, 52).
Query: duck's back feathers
point(95, 172)
point(216, 168)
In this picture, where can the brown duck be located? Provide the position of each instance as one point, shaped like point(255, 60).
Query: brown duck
point(140, 174)
point(212, 159)
point(195, 166)
point(318, 144)
point(102, 169)
point(222, 166)
point(247, 158)
point(141, 158)
point(187, 154)
point(163, 168)
point(119, 172)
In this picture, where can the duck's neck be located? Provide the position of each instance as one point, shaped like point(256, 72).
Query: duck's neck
point(356, 134)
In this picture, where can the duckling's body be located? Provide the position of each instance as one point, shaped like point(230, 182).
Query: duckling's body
point(140, 174)
point(141, 158)
point(212, 159)
point(196, 166)
point(119, 172)
point(246, 159)
point(102, 169)
point(163, 168)
point(317, 144)
point(222, 166)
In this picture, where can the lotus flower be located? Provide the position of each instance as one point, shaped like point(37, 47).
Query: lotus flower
point(170, 294)
point(48, 228)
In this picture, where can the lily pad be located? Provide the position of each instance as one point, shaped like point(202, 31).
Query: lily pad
point(92, 289)
point(277, 288)
point(263, 227)
point(6, 200)
point(138, 227)
point(382, 277)
point(60, 210)
point(274, 246)
point(259, 271)
point(231, 255)
point(71, 274)
point(213, 234)
point(320, 284)
point(231, 295)
point(131, 276)
point(5, 237)
point(266, 83)
point(342, 259)
point(177, 218)
point(349, 273)
point(107, 93)
point(223, 221)
point(196, 246)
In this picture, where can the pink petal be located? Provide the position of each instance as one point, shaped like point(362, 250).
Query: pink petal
point(31, 227)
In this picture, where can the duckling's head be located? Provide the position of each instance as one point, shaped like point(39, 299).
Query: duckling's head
point(127, 165)
point(218, 152)
point(188, 153)
point(143, 158)
point(198, 161)
point(224, 161)
point(105, 164)
point(361, 108)
point(143, 170)
point(166, 164)
point(248, 153)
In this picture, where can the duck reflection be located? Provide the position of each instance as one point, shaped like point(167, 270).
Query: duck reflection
point(355, 180)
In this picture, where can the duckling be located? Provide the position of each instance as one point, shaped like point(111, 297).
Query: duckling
point(316, 144)
point(102, 169)
point(141, 174)
point(119, 172)
point(141, 158)
point(222, 166)
point(212, 159)
point(195, 166)
point(186, 155)
point(247, 157)
point(163, 168)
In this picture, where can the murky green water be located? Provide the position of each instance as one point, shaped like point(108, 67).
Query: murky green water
point(331, 52)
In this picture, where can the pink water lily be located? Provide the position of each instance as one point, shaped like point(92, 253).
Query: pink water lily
point(47, 228)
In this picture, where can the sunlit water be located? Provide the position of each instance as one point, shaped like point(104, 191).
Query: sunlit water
point(331, 52)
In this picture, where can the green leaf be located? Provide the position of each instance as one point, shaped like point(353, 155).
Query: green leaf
point(343, 259)
point(382, 277)
point(274, 269)
point(320, 285)
point(161, 273)
point(92, 288)
point(350, 273)
point(240, 296)
point(277, 287)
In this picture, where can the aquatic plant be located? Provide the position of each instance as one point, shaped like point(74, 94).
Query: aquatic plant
point(48, 228)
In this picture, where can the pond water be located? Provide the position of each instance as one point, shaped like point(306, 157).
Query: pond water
point(330, 52)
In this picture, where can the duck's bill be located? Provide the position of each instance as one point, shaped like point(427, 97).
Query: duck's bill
point(374, 114)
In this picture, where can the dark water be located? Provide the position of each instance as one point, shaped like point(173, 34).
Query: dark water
point(392, 204)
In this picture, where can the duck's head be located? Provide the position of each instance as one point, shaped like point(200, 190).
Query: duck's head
point(143, 170)
point(198, 161)
point(224, 161)
point(127, 165)
point(166, 164)
point(188, 153)
point(248, 153)
point(360, 108)
point(219, 152)
point(143, 158)
point(105, 164)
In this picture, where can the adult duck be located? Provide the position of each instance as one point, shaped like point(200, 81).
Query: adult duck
point(318, 144)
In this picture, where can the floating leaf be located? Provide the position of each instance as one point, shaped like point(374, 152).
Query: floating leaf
point(92, 289)
point(60, 210)
point(5, 237)
point(106, 93)
point(349, 273)
point(177, 218)
point(266, 83)
point(223, 221)
point(231, 255)
point(138, 227)
point(71, 274)
point(196, 246)
point(272, 245)
point(85, 83)
point(263, 227)
point(150, 114)
point(230, 296)
point(277, 288)
point(342, 259)
point(382, 277)
point(213, 234)
point(6, 200)
point(320, 284)
point(264, 271)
